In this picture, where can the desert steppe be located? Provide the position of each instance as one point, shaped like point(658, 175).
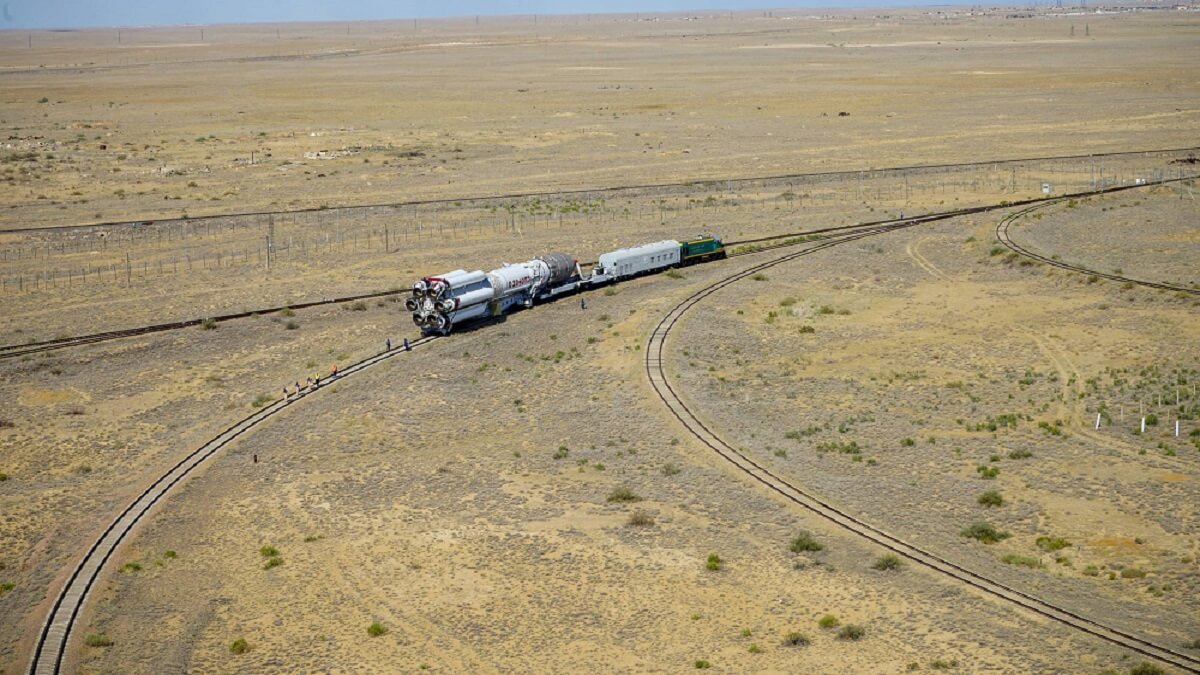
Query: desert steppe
point(516, 497)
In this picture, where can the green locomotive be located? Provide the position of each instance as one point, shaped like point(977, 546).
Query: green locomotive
point(702, 248)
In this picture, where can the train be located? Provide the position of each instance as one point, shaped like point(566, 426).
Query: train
point(438, 303)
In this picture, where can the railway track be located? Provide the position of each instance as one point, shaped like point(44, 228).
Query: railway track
point(781, 241)
point(56, 631)
point(60, 622)
point(601, 190)
point(1003, 236)
point(13, 351)
point(656, 374)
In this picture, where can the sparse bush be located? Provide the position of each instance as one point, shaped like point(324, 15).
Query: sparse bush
point(984, 532)
point(97, 640)
point(1132, 573)
point(208, 324)
point(1022, 560)
point(169, 554)
point(3, 476)
point(273, 562)
point(759, 277)
point(908, 442)
point(287, 312)
point(561, 452)
point(1020, 454)
point(754, 648)
point(673, 274)
point(131, 566)
point(640, 519)
point(623, 494)
point(888, 562)
point(828, 621)
point(807, 329)
point(987, 472)
point(239, 646)
point(291, 325)
point(268, 551)
point(805, 542)
point(261, 400)
point(990, 498)
point(795, 639)
point(376, 629)
point(6, 587)
point(1146, 668)
point(701, 664)
point(670, 469)
point(1052, 544)
point(851, 632)
point(359, 306)
point(713, 563)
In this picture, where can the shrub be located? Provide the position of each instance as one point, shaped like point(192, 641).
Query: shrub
point(208, 324)
point(828, 621)
point(239, 646)
point(888, 562)
point(987, 472)
point(795, 639)
point(674, 274)
point(1052, 544)
point(670, 469)
point(97, 640)
point(1020, 454)
point(131, 567)
point(759, 277)
point(359, 306)
point(807, 329)
point(288, 312)
point(851, 632)
point(6, 587)
point(1132, 573)
point(908, 442)
point(1022, 560)
point(268, 551)
point(640, 519)
point(291, 325)
point(169, 554)
point(754, 648)
point(713, 563)
point(701, 664)
point(787, 302)
point(273, 562)
point(1146, 668)
point(623, 494)
point(376, 629)
point(984, 532)
point(990, 498)
point(803, 542)
point(261, 400)
point(3, 476)
point(561, 452)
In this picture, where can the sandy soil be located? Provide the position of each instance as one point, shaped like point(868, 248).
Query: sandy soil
point(426, 495)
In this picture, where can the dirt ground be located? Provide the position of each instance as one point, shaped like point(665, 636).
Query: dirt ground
point(460, 496)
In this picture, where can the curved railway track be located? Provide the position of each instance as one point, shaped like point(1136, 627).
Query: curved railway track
point(56, 631)
point(706, 435)
point(57, 628)
point(1003, 236)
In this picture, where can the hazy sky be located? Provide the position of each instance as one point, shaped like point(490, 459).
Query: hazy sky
point(77, 13)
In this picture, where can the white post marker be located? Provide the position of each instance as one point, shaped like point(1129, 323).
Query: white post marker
point(1143, 425)
point(1176, 428)
point(1097, 420)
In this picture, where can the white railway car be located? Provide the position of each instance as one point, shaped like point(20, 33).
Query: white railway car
point(627, 262)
